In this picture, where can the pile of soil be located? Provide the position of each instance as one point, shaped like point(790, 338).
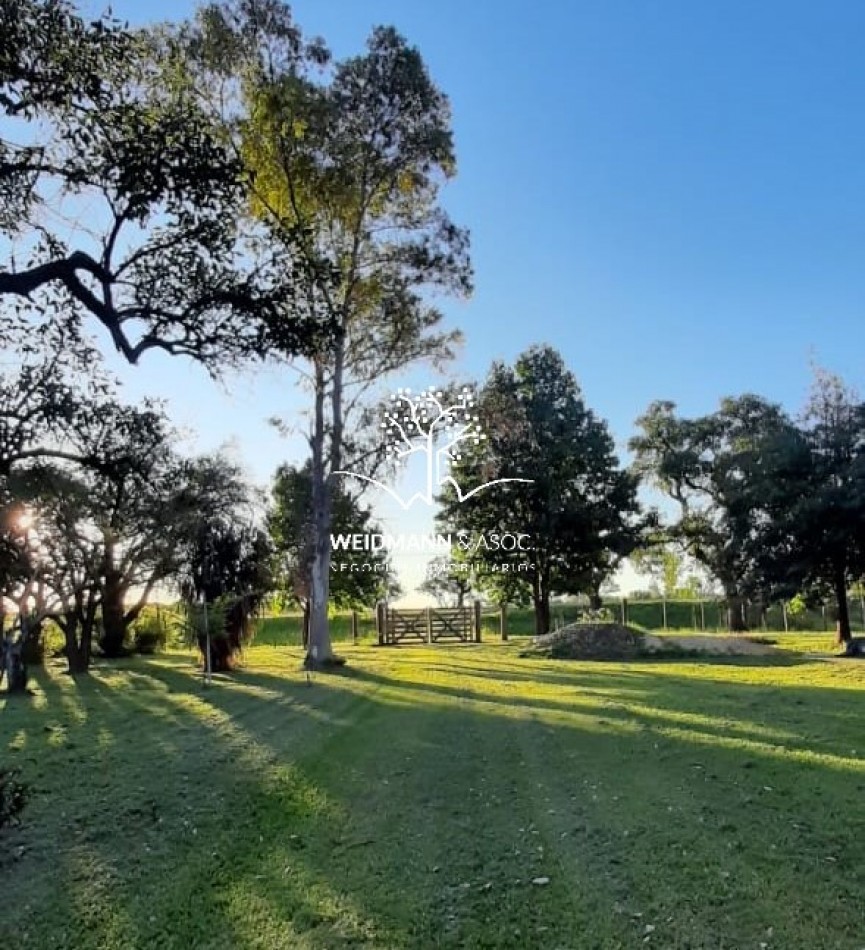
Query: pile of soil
point(613, 641)
point(590, 641)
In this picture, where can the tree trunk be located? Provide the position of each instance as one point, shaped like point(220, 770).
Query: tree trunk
point(12, 665)
point(33, 647)
point(114, 623)
point(319, 648)
point(305, 631)
point(77, 659)
point(843, 633)
point(542, 615)
point(541, 600)
point(736, 607)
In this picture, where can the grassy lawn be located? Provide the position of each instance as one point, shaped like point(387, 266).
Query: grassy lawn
point(413, 801)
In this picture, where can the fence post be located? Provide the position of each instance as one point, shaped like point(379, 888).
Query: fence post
point(429, 625)
point(823, 612)
point(624, 611)
point(381, 621)
point(354, 626)
point(664, 610)
point(477, 621)
point(702, 616)
point(503, 621)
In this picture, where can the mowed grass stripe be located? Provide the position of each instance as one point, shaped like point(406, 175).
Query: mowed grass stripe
point(412, 802)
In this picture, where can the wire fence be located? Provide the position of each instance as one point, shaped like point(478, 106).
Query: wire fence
point(705, 615)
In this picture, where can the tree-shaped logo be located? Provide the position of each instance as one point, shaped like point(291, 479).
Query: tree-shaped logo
point(433, 427)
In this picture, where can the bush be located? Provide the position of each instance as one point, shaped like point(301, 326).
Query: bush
point(230, 621)
point(149, 633)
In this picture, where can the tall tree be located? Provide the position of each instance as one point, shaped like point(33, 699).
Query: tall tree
point(344, 163)
point(714, 467)
point(92, 119)
point(814, 499)
point(358, 577)
point(580, 508)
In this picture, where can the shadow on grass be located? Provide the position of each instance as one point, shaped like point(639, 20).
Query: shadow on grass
point(262, 812)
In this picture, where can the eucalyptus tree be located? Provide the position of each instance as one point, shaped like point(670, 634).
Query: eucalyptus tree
point(344, 163)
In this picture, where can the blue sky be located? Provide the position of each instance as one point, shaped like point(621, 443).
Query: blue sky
point(668, 192)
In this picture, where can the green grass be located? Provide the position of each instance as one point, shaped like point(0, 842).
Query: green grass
point(287, 629)
point(412, 801)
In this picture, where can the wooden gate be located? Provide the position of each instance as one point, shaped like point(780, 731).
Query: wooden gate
point(428, 624)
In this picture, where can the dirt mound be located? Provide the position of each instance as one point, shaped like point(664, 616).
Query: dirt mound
point(613, 641)
point(590, 641)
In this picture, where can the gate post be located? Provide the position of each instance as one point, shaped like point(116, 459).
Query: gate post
point(429, 625)
point(477, 621)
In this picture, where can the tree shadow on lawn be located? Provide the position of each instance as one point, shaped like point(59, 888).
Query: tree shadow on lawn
point(145, 805)
point(774, 720)
point(360, 826)
point(440, 727)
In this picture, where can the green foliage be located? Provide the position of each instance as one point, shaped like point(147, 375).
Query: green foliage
point(228, 575)
point(357, 578)
point(818, 520)
point(150, 632)
point(662, 564)
point(449, 579)
point(200, 620)
point(579, 507)
point(93, 114)
point(714, 468)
